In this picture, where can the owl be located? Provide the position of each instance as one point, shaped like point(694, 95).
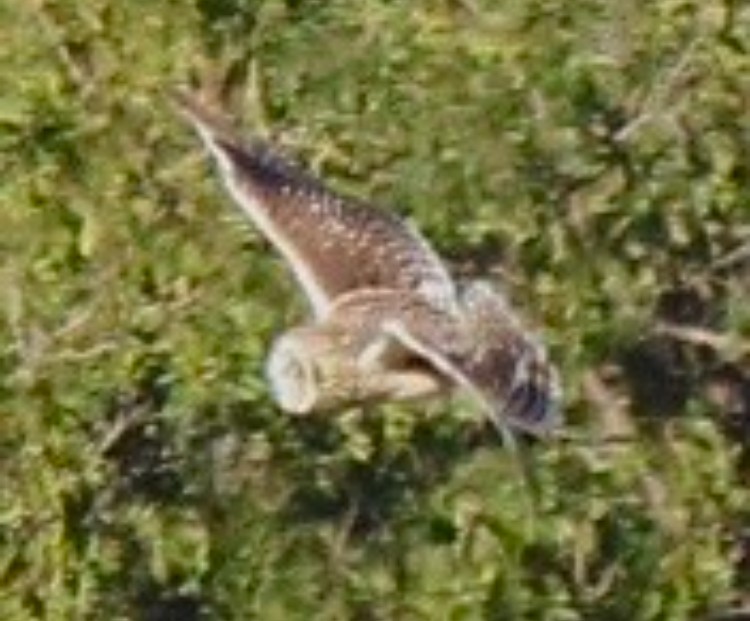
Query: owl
point(388, 322)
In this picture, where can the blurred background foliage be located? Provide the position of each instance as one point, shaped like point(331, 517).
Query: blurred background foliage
point(591, 156)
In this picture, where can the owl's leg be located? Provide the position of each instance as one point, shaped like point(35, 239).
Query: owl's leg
point(406, 384)
point(390, 371)
point(383, 352)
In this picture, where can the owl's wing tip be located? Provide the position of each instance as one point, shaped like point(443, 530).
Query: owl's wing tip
point(186, 102)
point(201, 112)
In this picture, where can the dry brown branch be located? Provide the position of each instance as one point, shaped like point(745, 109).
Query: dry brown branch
point(733, 257)
point(78, 73)
point(655, 98)
point(729, 346)
point(611, 406)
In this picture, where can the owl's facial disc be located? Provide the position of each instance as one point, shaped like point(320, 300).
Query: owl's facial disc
point(292, 377)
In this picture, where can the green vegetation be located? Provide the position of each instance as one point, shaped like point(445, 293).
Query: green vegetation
point(593, 155)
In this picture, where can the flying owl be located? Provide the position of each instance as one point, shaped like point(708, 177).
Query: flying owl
point(388, 323)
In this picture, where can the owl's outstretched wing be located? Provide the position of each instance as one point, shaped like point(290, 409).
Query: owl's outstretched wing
point(332, 243)
point(491, 355)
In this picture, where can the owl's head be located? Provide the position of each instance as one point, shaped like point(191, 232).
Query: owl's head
point(309, 369)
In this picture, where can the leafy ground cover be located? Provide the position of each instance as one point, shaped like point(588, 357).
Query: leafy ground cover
point(592, 156)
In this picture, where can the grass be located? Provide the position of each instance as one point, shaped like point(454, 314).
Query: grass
point(592, 157)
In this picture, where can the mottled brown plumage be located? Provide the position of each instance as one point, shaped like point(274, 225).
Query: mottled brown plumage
point(389, 322)
point(351, 244)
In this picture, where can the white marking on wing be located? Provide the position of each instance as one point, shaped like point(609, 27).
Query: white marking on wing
point(303, 271)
